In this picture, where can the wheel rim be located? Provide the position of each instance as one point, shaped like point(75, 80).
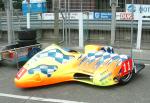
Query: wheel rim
point(127, 77)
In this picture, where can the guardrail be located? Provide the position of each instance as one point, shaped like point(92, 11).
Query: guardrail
point(20, 22)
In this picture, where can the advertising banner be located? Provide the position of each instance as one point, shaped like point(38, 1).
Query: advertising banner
point(73, 16)
point(97, 16)
point(103, 15)
point(138, 9)
point(124, 16)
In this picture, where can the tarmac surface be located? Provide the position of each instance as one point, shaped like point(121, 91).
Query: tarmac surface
point(137, 91)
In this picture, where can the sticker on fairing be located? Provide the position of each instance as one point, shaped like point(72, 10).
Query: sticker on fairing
point(126, 67)
point(21, 72)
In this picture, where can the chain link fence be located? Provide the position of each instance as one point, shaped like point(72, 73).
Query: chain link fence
point(96, 24)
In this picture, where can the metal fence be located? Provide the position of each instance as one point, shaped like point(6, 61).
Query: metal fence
point(96, 30)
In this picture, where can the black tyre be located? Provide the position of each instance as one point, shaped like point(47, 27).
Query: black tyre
point(27, 35)
point(126, 79)
point(27, 42)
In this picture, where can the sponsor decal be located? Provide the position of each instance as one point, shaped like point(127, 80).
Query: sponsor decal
point(21, 72)
point(105, 76)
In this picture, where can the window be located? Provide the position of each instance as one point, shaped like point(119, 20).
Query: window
point(104, 5)
point(49, 5)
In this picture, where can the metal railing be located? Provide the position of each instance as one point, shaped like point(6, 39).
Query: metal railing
point(20, 22)
point(36, 23)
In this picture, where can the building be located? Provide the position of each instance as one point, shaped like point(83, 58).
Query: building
point(95, 5)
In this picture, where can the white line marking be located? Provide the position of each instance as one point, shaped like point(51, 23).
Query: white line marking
point(147, 64)
point(137, 50)
point(38, 98)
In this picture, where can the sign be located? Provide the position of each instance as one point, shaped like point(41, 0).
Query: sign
point(102, 15)
point(47, 16)
point(91, 17)
point(124, 16)
point(138, 9)
point(73, 16)
point(97, 16)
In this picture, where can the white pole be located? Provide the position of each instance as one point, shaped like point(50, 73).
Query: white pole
point(9, 9)
point(113, 21)
point(28, 20)
point(81, 37)
point(139, 33)
point(28, 16)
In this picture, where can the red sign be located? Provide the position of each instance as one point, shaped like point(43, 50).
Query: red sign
point(126, 16)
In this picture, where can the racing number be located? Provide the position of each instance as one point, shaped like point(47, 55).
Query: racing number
point(126, 67)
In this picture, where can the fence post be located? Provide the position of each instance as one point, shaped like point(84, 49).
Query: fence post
point(56, 20)
point(113, 4)
point(28, 15)
point(81, 36)
point(139, 33)
point(9, 10)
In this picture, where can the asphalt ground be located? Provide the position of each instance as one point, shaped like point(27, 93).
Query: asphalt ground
point(137, 91)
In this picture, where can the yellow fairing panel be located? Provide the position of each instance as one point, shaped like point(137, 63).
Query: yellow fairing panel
point(55, 65)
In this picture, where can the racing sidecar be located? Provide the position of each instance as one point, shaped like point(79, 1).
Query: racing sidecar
point(98, 65)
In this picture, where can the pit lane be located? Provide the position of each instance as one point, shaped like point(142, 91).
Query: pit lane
point(137, 91)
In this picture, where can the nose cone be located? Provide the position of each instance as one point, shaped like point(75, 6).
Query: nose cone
point(24, 80)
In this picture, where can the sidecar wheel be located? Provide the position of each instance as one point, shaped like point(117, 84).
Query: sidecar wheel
point(126, 79)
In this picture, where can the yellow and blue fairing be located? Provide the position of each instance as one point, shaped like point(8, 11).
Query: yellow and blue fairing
point(99, 66)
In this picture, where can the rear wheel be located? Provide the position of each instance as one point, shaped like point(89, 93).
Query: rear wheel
point(126, 78)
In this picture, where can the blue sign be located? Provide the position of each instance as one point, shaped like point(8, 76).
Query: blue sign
point(35, 7)
point(138, 8)
point(131, 8)
point(103, 15)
